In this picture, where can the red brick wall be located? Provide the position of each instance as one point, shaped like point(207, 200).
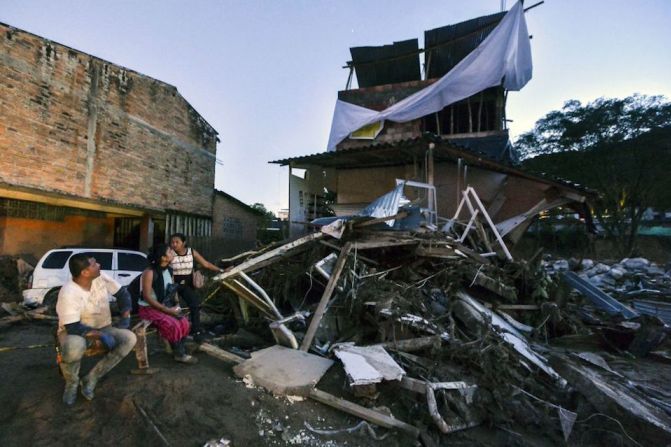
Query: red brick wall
point(76, 124)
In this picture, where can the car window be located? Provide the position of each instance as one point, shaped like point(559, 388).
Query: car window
point(104, 258)
point(56, 260)
point(131, 261)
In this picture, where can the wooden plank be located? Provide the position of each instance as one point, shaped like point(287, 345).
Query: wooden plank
point(358, 256)
point(219, 353)
point(437, 252)
point(330, 287)
point(513, 306)
point(412, 344)
point(267, 258)
point(365, 413)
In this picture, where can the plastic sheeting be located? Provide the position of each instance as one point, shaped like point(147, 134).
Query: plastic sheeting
point(504, 57)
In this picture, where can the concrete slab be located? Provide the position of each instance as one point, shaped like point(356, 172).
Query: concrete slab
point(284, 371)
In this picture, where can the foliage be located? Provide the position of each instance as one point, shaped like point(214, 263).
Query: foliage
point(603, 121)
point(630, 176)
point(268, 215)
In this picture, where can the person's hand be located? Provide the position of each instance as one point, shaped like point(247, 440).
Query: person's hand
point(93, 334)
point(175, 311)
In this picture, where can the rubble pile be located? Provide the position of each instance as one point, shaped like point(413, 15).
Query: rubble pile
point(447, 333)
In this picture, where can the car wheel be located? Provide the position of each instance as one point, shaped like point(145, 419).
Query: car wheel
point(50, 300)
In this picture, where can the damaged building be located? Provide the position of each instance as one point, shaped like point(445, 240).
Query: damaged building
point(464, 143)
point(96, 154)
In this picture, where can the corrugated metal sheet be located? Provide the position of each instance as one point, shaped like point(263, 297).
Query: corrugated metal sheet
point(386, 205)
point(447, 46)
point(387, 64)
point(655, 308)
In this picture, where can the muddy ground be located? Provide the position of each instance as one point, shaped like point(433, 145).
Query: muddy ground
point(190, 405)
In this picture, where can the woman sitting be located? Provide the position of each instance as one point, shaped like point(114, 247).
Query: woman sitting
point(159, 303)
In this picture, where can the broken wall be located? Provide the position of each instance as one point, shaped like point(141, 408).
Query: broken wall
point(503, 194)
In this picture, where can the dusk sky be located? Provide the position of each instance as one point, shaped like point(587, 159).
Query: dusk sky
point(265, 74)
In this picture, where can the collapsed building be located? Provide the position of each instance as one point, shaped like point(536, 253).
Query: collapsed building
point(462, 142)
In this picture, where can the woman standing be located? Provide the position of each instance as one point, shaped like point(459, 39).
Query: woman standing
point(183, 267)
point(158, 303)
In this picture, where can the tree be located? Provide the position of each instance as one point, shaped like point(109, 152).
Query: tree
point(619, 147)
point(268, 216)
point(605, 120)
point(266, 231)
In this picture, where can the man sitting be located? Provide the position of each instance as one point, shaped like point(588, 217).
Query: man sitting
point(84, 319)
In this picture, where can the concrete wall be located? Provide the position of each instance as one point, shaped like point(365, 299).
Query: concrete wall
point(75, 124)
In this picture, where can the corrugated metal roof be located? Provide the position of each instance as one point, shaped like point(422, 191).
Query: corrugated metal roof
point(448, 45)
point(406, 151)
point(386, 64)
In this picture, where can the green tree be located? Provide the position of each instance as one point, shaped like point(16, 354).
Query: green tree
point(619, 147)
point(578, 127)
point(265, 233)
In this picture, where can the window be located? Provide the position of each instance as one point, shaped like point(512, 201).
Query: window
point(133, 262)
point(56, 260)
point(103, 258)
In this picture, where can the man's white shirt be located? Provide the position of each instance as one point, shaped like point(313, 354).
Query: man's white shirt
point(90, 307)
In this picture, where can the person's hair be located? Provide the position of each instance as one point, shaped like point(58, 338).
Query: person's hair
point(77, 263)
point(155, 253)
point(181, 236)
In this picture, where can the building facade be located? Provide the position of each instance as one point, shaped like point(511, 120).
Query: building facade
point(94, 153)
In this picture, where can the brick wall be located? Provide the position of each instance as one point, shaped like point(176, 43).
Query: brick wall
point(230, 220)
point(379, 98)
point(76, 124)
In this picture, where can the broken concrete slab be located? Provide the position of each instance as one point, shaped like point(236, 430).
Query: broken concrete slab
point(365, 365)
point(284, 371)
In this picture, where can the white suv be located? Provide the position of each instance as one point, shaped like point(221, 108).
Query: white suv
point(53, 271)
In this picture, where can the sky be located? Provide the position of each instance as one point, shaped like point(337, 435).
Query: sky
point(265, 73)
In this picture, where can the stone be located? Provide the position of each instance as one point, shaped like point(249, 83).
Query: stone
point(635, 264)
point(561, 265)
point(616, 273)
point(601, 268)
point(284, 371)
point(586, 264)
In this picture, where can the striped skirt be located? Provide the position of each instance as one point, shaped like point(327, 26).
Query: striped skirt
point(171, 328)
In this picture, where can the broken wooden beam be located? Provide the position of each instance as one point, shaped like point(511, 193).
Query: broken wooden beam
point(267, 258)
point(330, 287)
point(219, 353)
point(412, 344)
point(365, 413)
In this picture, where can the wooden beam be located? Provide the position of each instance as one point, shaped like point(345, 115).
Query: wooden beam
point(412, 344)
point(330, 287)
point(258, 261)
point(219, 353)
point(365, 413)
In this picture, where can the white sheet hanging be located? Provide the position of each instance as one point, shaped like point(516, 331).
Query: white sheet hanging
point(504, 56)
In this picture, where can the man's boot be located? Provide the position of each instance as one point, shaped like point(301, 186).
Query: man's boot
point(180, 355)
point(71, 375)
point(90, 381)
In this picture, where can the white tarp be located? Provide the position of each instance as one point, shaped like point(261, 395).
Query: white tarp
point(503, 57)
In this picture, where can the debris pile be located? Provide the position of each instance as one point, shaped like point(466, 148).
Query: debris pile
point(441, 331)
